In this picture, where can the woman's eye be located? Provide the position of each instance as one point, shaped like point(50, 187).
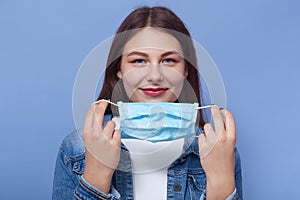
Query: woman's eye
point(139, 61)
point(169, 60)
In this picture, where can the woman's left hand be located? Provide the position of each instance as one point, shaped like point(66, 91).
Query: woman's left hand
point(216, 148)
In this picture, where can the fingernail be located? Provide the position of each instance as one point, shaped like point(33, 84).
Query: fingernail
point(214, 105)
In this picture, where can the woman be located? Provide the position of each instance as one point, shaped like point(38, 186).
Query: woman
point(152, 59)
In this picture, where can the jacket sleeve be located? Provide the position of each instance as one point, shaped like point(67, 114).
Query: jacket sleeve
point(68, 185)
point(238, 175)
point(86, 191)
point(233, 196)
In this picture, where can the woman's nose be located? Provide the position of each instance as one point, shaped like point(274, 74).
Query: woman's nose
point(154, 73)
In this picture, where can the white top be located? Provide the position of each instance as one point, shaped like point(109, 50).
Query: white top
point(150, 162)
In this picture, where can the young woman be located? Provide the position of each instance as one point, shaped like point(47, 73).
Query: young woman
point(152, 59)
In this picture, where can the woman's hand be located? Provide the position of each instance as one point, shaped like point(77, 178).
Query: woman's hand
point(216, 148)
point(102, 146)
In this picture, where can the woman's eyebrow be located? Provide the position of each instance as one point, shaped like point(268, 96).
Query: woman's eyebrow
point(137, 53)
point(146, 55)
point(170, 52)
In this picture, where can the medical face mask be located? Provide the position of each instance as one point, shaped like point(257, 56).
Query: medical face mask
point(156, 122)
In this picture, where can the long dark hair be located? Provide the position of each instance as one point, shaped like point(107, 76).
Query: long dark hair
point(167, 21)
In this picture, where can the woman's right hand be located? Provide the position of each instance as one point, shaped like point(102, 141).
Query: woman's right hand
point(102, 146)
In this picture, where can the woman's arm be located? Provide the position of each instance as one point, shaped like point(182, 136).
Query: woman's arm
point(102, 148)
point(102, 153)
point(216, 148)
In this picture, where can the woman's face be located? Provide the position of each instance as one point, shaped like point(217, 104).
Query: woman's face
point(152, 67)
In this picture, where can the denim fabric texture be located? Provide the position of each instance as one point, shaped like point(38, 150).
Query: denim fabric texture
point(186, 178)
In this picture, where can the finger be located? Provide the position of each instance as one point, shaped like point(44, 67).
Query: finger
point(229, 123)
point(109, 129)
point(201, 140)
point(116, 138)
point(209, 131)
point(204, 145)
point(217, 119)
point(89, 118)
point(99, 109)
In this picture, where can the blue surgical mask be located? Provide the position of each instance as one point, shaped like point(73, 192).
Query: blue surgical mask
point(156, 122)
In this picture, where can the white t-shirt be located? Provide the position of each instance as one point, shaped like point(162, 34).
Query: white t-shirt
point(150, 162)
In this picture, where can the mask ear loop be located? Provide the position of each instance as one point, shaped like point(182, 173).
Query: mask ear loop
point(108, 101)
point(202, 107)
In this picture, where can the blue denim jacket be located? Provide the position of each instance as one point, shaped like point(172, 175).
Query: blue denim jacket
point(186, 178)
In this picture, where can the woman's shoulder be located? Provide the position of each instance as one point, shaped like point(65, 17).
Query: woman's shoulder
point(72, 144)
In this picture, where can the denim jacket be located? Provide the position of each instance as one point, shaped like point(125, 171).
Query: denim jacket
point(186, 178)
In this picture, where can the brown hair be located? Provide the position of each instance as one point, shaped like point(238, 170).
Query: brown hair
point(167, 21)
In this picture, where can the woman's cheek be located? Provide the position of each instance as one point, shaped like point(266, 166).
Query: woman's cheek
point(175, 79)
point(132, 80)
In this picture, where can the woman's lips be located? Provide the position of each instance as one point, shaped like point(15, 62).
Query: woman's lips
point(154, 92)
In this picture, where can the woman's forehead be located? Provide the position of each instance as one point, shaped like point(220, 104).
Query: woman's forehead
point(152, 39)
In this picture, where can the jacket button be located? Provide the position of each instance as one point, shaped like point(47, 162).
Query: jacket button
point(177, 187)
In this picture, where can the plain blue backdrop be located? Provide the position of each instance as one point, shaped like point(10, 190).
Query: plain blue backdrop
point(254, 43)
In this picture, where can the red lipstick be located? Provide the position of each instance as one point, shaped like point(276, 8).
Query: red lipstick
point(154, 92)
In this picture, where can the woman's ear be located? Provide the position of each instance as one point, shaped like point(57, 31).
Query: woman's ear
point(186, 72)
point(119, 74)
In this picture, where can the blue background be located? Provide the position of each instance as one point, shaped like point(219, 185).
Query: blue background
point(254, 43)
